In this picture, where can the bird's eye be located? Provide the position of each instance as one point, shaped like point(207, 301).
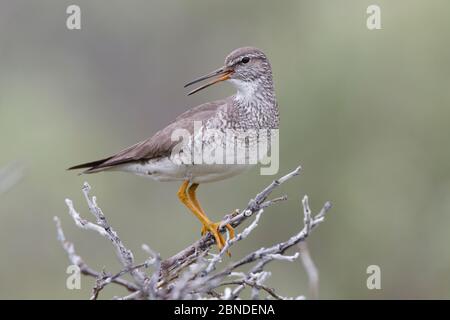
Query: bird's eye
point(245, 60)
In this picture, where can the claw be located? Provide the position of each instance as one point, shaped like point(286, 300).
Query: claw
point(213, 228)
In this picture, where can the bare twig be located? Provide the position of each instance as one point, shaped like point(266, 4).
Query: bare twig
point(270, 291)
point(78, 261)
point(311, 270)
point(125, 255)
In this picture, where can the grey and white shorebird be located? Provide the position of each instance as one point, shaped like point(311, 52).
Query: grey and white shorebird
point(252, 108)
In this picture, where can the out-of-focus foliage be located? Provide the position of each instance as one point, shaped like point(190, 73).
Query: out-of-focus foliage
point(365, 112)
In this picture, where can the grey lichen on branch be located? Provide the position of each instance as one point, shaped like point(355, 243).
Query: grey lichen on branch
point(194, 272)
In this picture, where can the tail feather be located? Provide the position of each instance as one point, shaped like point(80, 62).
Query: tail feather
point(89, 165)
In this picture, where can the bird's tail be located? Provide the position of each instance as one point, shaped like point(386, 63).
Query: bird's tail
point(91, 166)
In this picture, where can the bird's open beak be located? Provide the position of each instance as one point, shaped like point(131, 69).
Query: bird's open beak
point(222, 74)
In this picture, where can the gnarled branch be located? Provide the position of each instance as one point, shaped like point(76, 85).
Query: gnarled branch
point(194, 272)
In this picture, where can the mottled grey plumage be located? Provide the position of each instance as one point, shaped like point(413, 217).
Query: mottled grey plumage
point(254, 106)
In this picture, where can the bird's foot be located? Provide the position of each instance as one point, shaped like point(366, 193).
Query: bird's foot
point(213, 228)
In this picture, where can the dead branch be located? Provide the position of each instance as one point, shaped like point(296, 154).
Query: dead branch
point(194, 272)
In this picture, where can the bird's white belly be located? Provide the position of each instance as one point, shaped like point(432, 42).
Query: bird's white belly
point(164, 169)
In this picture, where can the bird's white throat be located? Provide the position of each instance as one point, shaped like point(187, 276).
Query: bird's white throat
point(245, 90)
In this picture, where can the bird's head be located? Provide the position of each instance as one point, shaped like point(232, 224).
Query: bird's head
point(245, 67)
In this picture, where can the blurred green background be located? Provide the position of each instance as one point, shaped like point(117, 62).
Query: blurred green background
point(366, 113)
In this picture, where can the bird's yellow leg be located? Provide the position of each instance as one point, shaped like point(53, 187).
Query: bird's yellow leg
point(211, 227)
point(193, 197)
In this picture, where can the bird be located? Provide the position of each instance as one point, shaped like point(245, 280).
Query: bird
point(251, 108)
